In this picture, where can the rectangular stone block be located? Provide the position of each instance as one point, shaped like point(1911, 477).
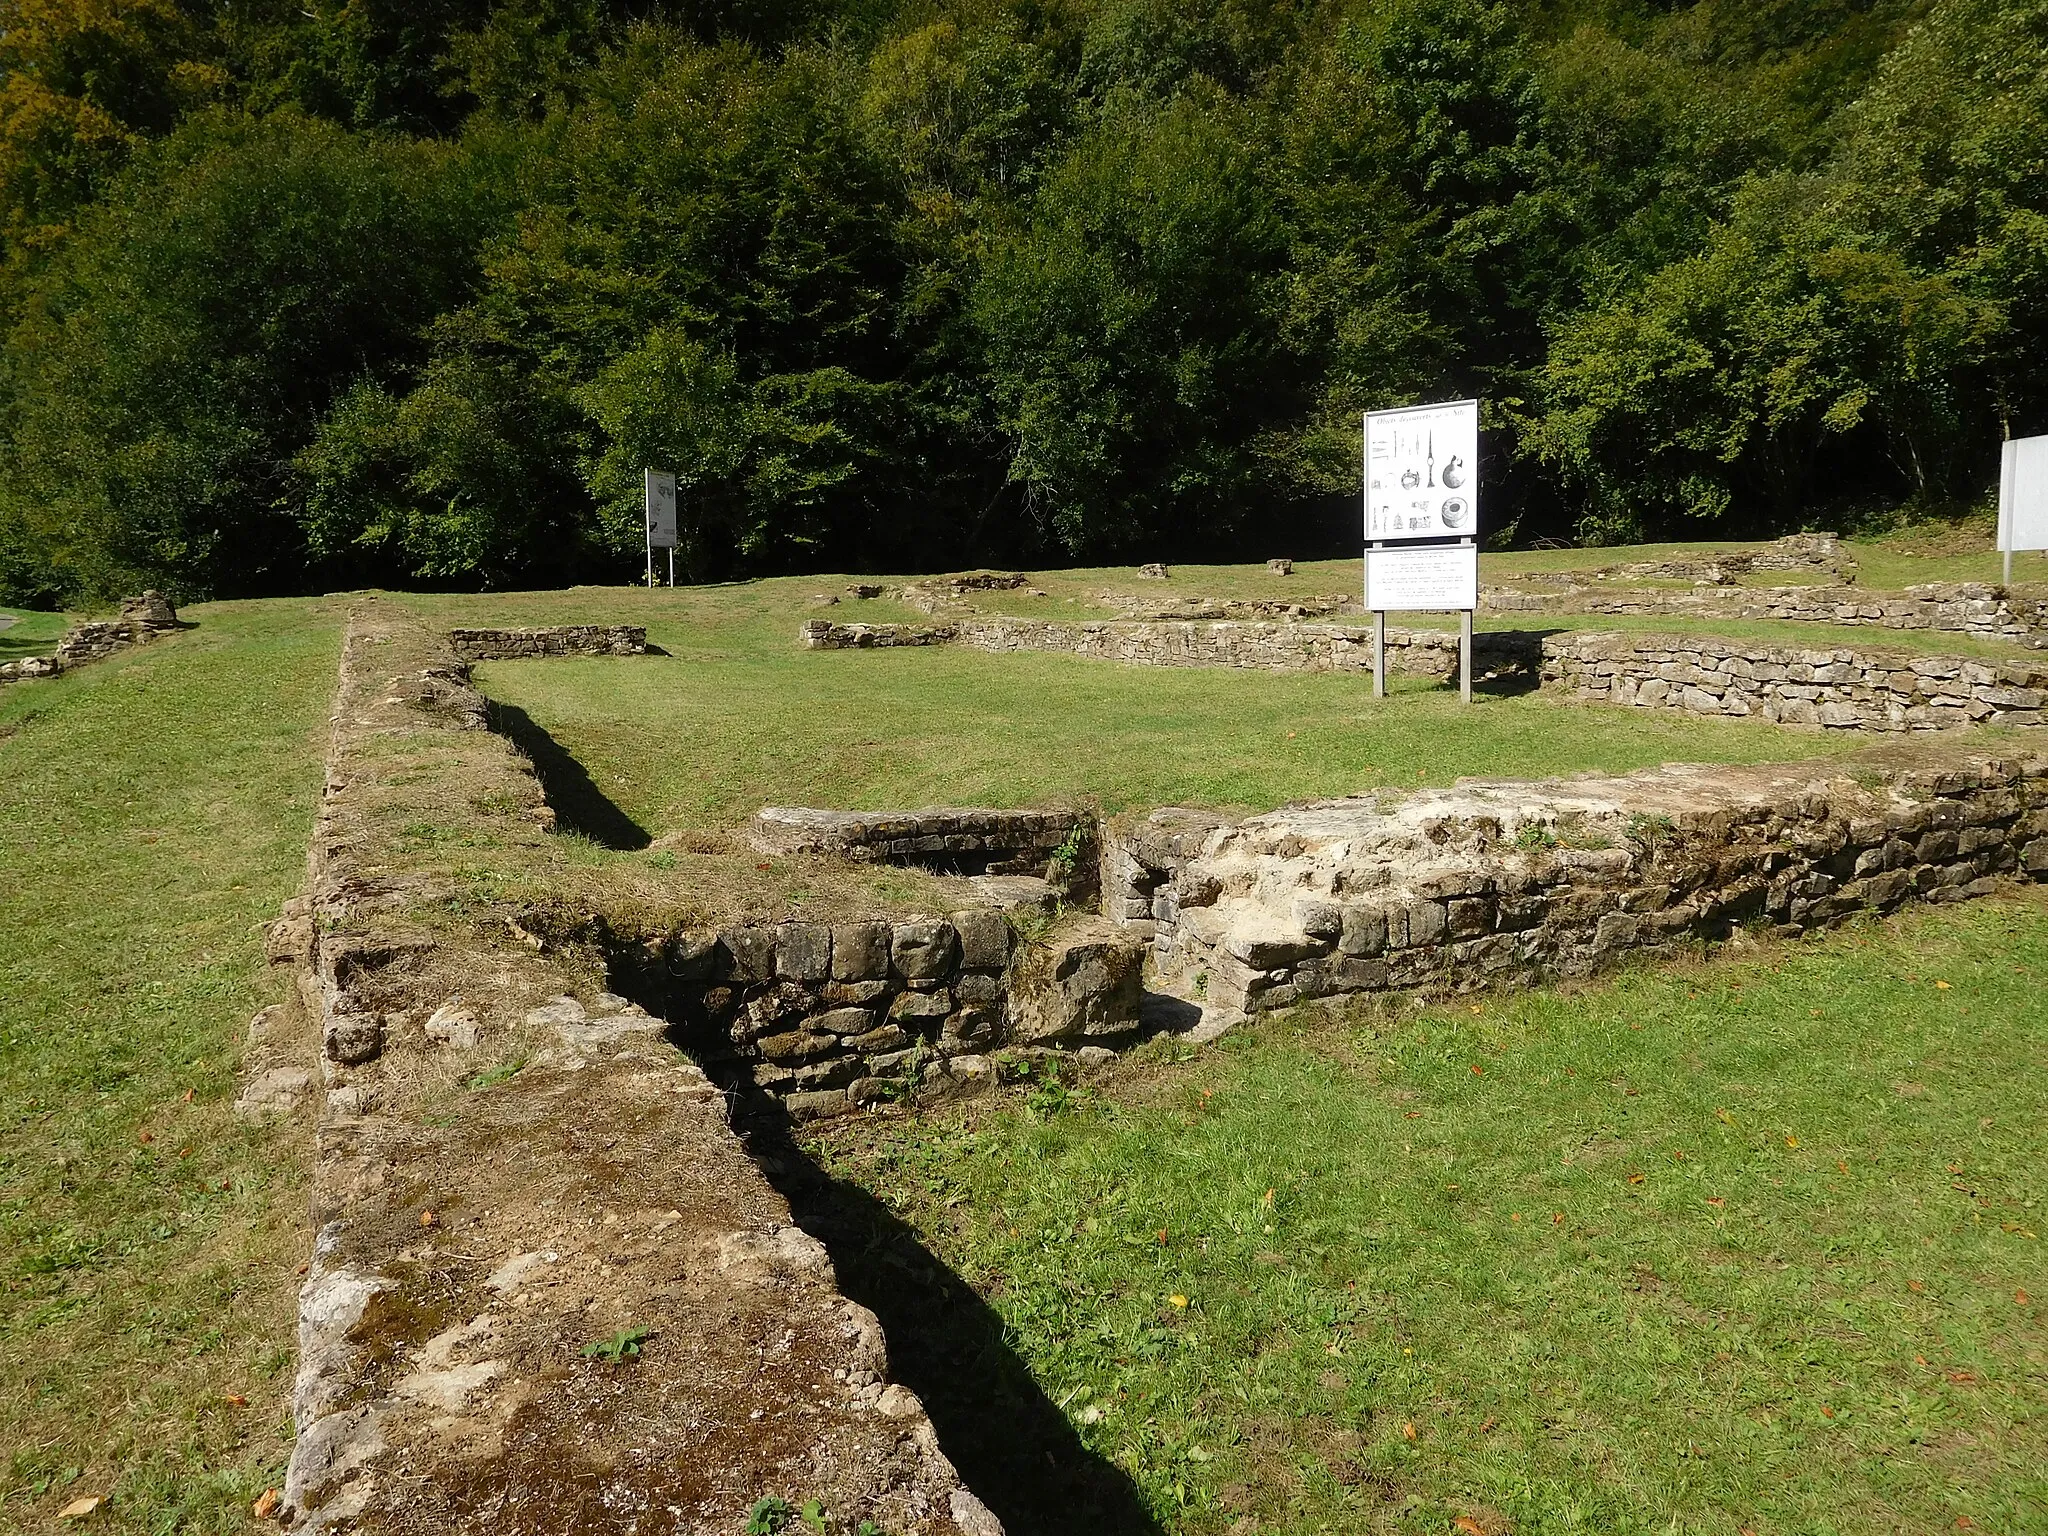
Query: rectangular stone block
point(750, 953)
point(803, 951)
point(924, 950)
point(860, 951)
point(984, 939)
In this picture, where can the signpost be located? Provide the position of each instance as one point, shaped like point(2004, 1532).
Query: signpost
point(661, 521)
point(1422, 522)
point(2023, 498)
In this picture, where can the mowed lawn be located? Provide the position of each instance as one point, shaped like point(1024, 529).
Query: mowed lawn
point(736, 716)
point(154, 811)
point(1744, 1246)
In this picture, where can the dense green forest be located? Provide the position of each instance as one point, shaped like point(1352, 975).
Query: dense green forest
point(308, 294)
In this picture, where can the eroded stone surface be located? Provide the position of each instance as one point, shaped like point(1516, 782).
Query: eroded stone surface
point(1497, 883)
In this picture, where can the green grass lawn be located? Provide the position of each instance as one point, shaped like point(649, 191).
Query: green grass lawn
point(737, 716)
point(1751, 1245)
point(154, 811)
point(32, 633)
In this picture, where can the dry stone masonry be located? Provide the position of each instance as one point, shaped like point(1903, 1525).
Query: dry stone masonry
point(832, 1016)
point(142, 620)
point(2018, 613)
point(1501, 884)
point(985, 841)
point(1841, 689)
point(558, 640)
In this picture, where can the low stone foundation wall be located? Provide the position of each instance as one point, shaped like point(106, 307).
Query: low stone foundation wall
point(558, 640)
point(142, 620)
point(1842, 689)
point(831, 1016)
point(1498, 884)
point(1265, 647)
point(993, 842)
point(1836, 688)
point(2009, 613)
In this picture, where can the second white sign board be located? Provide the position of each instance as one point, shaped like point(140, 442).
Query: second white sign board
point(1431, 579)
point(661, 509)
point(1422, 472)
point(2023, 495)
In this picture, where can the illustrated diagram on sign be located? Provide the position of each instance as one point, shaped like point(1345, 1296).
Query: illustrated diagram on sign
point(1421, 479)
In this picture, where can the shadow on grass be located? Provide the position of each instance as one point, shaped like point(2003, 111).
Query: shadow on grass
point(1011, 1444)
point(579, 805)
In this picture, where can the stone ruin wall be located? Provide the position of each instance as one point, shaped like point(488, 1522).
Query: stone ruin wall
point(1835, 688)
point(142, 620)
point(1841, 689)
point(2018, 613)
point(465, 1260)
point(1498, 885)
point(557, 640)
point(829, 1017)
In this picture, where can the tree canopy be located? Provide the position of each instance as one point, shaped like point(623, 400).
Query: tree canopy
point(303, 295)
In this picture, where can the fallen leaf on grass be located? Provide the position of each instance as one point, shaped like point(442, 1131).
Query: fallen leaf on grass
point(234, 1400)
point(1826, 1412)
point(427, 1218)
point(1716, 1201)
point(1941, 986)
point(265, 1507)
point(1408, 1431)
point(185, 1097)
point(1916, 1287)
point(1962, 1378)
point(1468, 1524)
point(1791, 1141)
point(1636, 1178)
point(2021, 1297)
point(1178, 1301)
point(1487, 1427)
point(78, 1509)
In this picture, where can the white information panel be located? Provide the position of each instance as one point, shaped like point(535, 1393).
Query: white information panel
point(2023, 495)
point(1432, 579)
point(1422, 472)
point(661, 509)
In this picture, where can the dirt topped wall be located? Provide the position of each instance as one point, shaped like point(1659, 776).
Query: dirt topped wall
point(550, 1290)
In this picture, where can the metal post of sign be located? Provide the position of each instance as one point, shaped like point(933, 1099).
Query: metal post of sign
point(650, 559)
point(671, 565)
point(1465, 648)
point(1379, 636)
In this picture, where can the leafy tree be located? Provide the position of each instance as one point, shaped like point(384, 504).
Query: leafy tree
point(229, 288)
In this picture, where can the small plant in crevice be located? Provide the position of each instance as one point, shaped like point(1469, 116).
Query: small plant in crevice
point(1647, 831)
point(490, 1077)
point(623, 1345)
point(1535, 837)
point(771, 1516)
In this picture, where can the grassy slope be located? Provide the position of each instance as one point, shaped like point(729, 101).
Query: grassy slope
point(31, 634)
point(737, 716)
point(154, 811)
point(1750, 1245)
